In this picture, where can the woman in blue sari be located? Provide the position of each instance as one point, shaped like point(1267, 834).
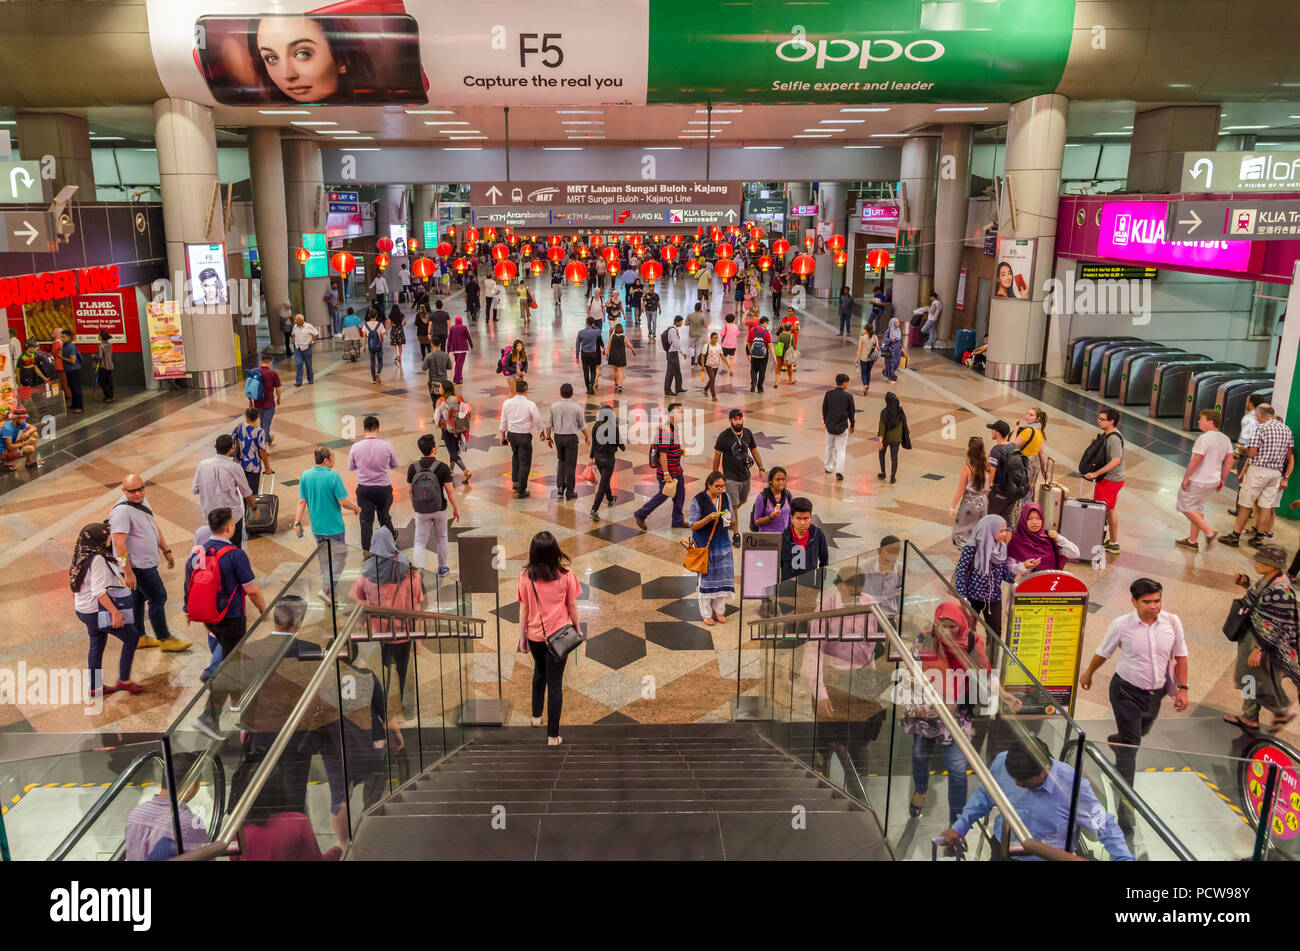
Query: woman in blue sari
point(711, 518)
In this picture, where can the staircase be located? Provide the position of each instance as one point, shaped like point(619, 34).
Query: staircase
point(702, 791)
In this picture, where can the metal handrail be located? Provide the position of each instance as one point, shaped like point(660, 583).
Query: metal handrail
point(234, 824)
point(1140, 805)
point(97, 809)
point(831, 613)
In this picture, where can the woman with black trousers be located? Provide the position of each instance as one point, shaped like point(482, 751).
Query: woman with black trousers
point(548, 600)
point(605, 444)
point(892, 434)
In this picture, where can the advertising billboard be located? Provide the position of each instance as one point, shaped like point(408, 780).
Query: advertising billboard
point(1135, 231)
point(317, 264)
point(207, 264)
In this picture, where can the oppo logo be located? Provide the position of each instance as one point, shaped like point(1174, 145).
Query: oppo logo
point(799, 49)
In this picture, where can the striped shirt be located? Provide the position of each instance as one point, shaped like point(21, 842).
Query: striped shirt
point(151, 822)
point(669, 448)
point(1273, 439)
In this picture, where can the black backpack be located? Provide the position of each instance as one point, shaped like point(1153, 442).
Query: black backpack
point(1011, 480)
point(426, 490)
point(1094, 457)
point(663, 339)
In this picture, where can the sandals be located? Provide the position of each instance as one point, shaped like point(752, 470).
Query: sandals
point(708, 622)
point(1241, 722)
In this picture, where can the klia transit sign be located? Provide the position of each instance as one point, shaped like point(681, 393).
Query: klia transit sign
point(303, 53)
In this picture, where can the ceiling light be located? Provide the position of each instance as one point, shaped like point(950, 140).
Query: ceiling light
point(664, 148)
point(579, 112)
point(443, 122)
point(839, 121)
point(108, 138)
point(708, 122)
point(864, 146)
point(865, 109)
point(827, 136)
point(889, 135)
point(365, 148)
point(465, 138)
point(336, 131)
point(823, 129)
point(582, 122)
point(561, 148)
point(573, 138)
point(1234, 128)
point(963, 109)
point(1073, 145)
point(462, 148)
point(430, 112)
point(354, 138)
point(1111, 133)
point(1180, 86)
point(15, 121)
point(761, 147)
point(719, 112)
point(285, 112)
point(312, 122)
point(462, 131)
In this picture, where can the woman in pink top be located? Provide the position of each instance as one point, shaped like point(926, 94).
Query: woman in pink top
point(548, 600)
point(730, 334)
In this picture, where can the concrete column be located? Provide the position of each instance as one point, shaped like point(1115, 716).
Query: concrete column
point(832, 202)
point(424, 208)
point(304, 189)
point(1160, 136)
point(391, 211)
point(950, 207)
point(67, 139)
point(916, 175)
point(1035, 149)
point(270, 221)
point(187, 164)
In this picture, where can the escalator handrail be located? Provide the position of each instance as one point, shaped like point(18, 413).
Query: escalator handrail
point(102, 803)
point(1139, 804)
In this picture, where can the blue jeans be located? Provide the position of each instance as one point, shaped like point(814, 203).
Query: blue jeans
point(127, 634)
point(376, 363)
point(844, 321)
point(931, 330)
point(679, 499)
point(267, 415)
point(149, 587)
point(336, 321)
point(302, 358)
point(864, 368)
point(331, 558)
point(922, 747)
point(214, 645)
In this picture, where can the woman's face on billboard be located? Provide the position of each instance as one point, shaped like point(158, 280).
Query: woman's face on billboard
point(297, 57)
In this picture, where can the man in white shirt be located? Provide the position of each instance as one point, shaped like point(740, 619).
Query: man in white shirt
point(405, 277)
point(1206, 473)
point(673, 371)
point(219, 482)
point(1147, 640)
point(930, 329)
point(304, 335)
point(380, 288)
point(519, 419)
point(489, 299)
point(1249, 423)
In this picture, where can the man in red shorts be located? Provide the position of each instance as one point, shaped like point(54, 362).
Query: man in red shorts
point(1109, 478)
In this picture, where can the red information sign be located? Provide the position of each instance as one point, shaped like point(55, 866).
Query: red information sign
point(1285, 822)
point(92, 313)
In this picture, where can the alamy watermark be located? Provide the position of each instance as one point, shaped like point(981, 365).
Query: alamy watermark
point(1085, 296)
point(49, 687)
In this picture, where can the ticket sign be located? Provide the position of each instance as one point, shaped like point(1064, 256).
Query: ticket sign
point(1284, 823)
point(1048, 610)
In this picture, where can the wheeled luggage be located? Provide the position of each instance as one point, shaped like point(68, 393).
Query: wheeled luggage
point(1083, 521)
point(262, 514)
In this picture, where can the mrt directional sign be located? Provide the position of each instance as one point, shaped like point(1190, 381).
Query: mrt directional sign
point(1234, 220)
point(20, 183)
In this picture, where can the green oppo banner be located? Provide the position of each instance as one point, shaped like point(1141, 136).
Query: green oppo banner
point(858, 51)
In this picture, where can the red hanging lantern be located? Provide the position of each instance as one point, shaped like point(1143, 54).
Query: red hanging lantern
point(384, 244)
point(422, 268)
point(526, 250)
point(878, 259)
point(609, 253)
point(613, 267)
point(636, 241)
point(471, 235)
point(597, 240)
point(505, 271)
point(725, 269)
point(652, 270)
point(808, 242)
point(554, 240)
point(699, 231)
point(343, 262)
point(460, 265)
point(780, 246)
point(677, 239)
point(582, 251)
point(490, 234)
point(500, 252)
point(413, 244)
point(835, 242)
point(752, 246)
point(697, 250)
point(840, 258)
point(756, 233)
point(303, 255)
point(382, 261)
point(724, 250)
point(576, 272)
point(692, 266)
point(764, 263)
point(669, 253)
point(555, 253)
point(444, 249)
point(536, 267)
point(451, 230)
point(803, 264)
point(513, 239)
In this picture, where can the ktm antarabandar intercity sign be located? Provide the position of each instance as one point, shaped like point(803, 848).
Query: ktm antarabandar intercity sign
point(606, 52)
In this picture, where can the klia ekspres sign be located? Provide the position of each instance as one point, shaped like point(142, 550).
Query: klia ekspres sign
point(596, 52)
point(1136, 231)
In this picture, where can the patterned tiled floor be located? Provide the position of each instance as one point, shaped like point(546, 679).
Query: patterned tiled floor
point(638, 603)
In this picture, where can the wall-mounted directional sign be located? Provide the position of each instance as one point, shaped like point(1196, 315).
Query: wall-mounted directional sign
point(1241, 171)
point(582, 216)
point(344, 203)
point(27, 231)
point(20, 183)
point(1240, 220)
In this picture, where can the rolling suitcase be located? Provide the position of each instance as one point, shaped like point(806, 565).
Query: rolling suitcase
point(915, 339)
point(262, 514)
point(1083, 521)
point(964, 342)
point(1052, 496)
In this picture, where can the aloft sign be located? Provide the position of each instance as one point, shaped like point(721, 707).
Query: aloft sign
point(1241, 172)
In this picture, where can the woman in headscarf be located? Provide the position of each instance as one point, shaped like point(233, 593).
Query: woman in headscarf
point(892, 347)
point(459, 345)
point(388, 580)
point(94, 571)
point(892, 435)
point(984, 565)
point(1032, 539)
point(1268, 649)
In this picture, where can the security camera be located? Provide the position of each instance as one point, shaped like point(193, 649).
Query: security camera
point(139, 193)
point(61, 200)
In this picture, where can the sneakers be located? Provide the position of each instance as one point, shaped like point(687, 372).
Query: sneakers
point(1111, 547)
point(443, 571)
point(595, 516)
point(1259, 539)
point(1190, 546)
point(145, 641)
point(828, 469)
point(1232, 539)
point(735, 540)
point(127, 686)
point(209, 727)
point(839, 477)
point(173, 645)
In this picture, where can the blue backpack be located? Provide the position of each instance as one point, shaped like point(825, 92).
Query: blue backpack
point(372, 340)
point(254, 384)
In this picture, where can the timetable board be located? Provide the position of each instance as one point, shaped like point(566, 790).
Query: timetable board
point(1045, 632)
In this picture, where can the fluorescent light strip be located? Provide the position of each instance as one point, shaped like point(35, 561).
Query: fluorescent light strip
point(285, 112)
point(336, 131)
point(579, 112)
point(1112, 133)
point(354, 138)
point(818, 136)
point(864, 146)
point(443, 122)
point(462, 131)
point(365, 148)
point(312, 122)
point(575, 138)
point(15, 121)
point(430, 112)
point(663, 148)
point(561, 148)
point(963, 109)
point(707, 122)
point(107, 138)
point(865, 109)
point(889, 135)
point(582, 122)
point(823, 129)
point(1236, 128)
point(466, 138)
point(719, 112)
point(838, 121)
point(462, 148)
point(757, 148)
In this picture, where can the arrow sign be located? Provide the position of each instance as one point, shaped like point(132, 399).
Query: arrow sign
point(731, 214)
point(494, 193)
point(29, 231)
point(1193, 220)
point(21, 183)
point(26, 231)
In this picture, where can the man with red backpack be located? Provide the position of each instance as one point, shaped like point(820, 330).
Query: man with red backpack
point(215, 592)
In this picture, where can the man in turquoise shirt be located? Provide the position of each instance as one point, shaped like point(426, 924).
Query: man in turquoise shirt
point(1039, 788)
point(322, 494)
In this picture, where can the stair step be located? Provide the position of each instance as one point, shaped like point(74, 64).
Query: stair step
point(476, 794)
point(596, 807)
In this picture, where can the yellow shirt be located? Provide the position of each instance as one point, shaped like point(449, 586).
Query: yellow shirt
point(1035, 444)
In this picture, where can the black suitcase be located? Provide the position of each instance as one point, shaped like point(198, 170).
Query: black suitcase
point(263, 513)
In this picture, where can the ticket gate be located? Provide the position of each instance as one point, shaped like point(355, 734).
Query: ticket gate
point(1112, 365)
point(1231, 402)
point(1075, 354)
point(1092, 357)
point(1169, 388)
point(1140, 371)
point(1203, 387)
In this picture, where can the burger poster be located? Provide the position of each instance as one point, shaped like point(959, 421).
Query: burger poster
point(166, 345)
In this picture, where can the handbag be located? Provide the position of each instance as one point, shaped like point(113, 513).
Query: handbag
point(697, 558)
point(124, 599)
point(792, 357)
point(589, 473)
point(1237, 624)
point(560, 644)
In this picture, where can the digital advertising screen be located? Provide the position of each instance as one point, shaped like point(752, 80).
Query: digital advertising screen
point(317, 265)
point(207, 263)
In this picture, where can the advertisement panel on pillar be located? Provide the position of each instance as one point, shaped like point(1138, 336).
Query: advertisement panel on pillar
point(1013, 277)
point(398, 234)
point(317, 263)
point(207, 264)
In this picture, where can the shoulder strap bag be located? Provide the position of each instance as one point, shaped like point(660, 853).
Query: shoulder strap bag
point(697, 558)
point(560, 644)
